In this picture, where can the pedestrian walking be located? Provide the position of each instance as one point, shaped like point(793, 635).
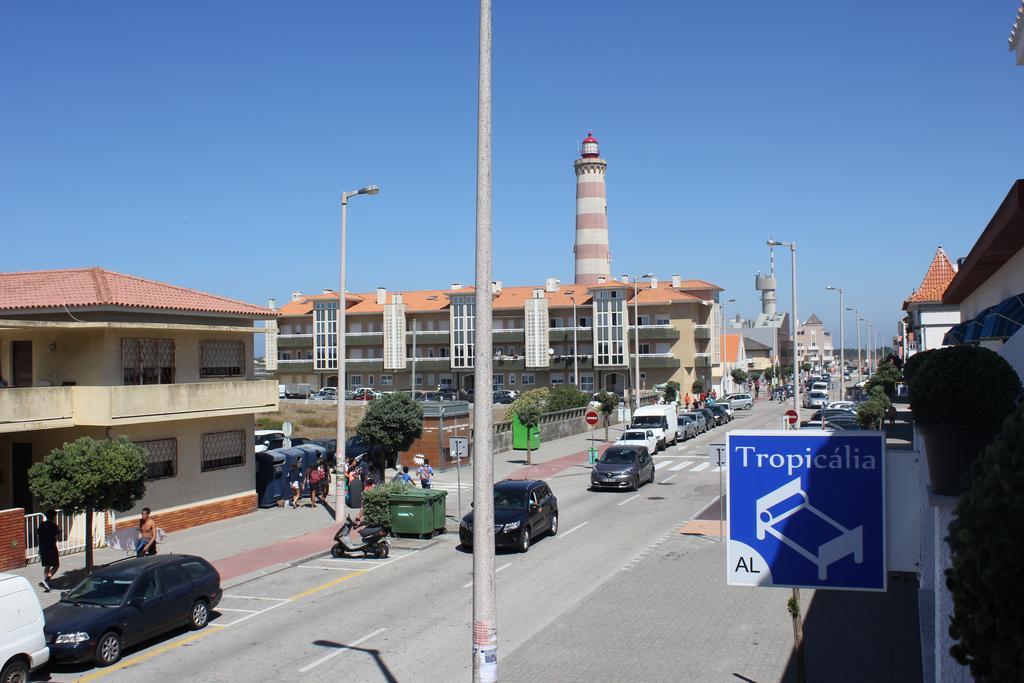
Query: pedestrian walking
point(890, 413)
point(314, 475)
point(146, 545)
point(48, 534)
point(295, 482)
point(687, 400)
point(426, 473)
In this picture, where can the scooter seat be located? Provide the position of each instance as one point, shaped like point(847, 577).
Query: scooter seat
point(369, 531)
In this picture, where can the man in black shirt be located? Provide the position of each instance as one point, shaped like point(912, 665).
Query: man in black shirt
point(48, 535)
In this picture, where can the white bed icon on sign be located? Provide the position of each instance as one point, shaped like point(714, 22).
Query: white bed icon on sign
point(790, 499)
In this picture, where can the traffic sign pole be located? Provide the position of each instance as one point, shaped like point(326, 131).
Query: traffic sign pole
point(592, 418)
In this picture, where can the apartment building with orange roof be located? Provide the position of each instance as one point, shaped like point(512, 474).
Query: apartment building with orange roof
point(91, 352)
point(543, 335)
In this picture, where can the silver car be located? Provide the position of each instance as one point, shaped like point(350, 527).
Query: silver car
point(686, 428)
point(739, 401)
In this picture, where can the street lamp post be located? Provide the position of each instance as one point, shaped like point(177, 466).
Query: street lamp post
point(842, 342)
point(796, 360)
point(721, 343)
point(485, 619)
point(636, 334)
point(856, 319)
point(339, 448)
point(872, 360)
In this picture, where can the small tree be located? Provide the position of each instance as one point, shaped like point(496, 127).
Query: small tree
point(739, 375)
point(609, 402)
point(87, 475)
point(391, 423)
point(529, 417)
point(671, 391)
point(886, 377)
point(697, 387)
point(539, 396)
point(806, 367)
point(870, 414)
point(768, 375)
point(377, 503)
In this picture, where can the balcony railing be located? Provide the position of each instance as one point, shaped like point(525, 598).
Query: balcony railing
point(27, 408)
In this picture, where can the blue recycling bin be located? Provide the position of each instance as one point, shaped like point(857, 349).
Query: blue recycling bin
point(271, 478)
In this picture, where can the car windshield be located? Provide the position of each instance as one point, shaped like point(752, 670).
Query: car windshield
point(819, 394)
point(509, 499)
point(618, 456)
point(634, 436)
point(685, 419)
point(99, 590)
point(647, 420)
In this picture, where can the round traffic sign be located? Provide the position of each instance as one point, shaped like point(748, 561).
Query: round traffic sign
point(791, 416)
point(287, 428)
point(592, 417)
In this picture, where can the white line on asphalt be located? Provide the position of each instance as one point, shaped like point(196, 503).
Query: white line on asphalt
point(672, 477)
point(716, 469)
point(250, 616)
point(233, 609)
point(581, 524)
point(701, 467)
point(328, 569)
point(681, 466)
point(633, 497)
point(253, 597)
point(504, 566)
point(340, 650)
point(661, 464)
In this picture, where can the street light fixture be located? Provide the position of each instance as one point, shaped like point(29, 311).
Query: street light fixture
point(842, 343)
point(796, 360)
point(339, 448)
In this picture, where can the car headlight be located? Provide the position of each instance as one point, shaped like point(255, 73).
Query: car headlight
point(511, 526)
point(626, 473)
point(77, 637)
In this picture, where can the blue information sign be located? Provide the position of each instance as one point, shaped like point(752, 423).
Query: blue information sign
point(806, 509)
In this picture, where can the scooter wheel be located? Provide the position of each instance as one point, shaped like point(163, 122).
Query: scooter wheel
point(337, 551)
point(385, 549)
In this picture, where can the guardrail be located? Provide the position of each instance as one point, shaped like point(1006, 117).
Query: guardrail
point(72, 533)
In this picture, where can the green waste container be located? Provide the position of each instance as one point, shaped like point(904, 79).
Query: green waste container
point(418, 511)
point(519, 435)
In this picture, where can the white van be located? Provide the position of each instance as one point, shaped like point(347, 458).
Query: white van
point(661, 419)
point(22, 643)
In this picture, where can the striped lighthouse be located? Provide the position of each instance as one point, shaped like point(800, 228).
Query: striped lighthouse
point(593, 259)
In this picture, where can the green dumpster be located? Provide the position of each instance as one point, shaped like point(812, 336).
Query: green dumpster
point(417, 511)
point(519, 435)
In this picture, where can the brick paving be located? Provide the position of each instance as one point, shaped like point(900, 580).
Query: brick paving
point(668, 616)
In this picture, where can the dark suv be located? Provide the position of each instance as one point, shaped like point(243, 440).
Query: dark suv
point(523, 510)
point(127, 602)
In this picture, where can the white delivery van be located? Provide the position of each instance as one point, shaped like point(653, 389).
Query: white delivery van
point(661, 419)
point(22, 643)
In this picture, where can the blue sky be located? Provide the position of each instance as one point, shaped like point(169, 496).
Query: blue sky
point(206, 144)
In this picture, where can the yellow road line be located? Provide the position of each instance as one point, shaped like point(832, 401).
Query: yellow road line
point(138, 659)
point(324, 586)
point(211, 628)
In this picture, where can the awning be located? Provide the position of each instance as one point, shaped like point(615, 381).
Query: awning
point(972, 328)
point(955, 335)
point(1004, 319)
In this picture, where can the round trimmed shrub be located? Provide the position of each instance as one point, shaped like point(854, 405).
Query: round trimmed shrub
point(984, 579)
point(965, 386)
point(870, 414)
point(915, 363)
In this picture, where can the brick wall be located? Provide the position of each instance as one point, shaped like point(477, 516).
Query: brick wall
point(429, 443)
point(194, 515)
point(12, 539)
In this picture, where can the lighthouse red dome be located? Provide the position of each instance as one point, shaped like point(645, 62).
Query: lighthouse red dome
point(589, 147)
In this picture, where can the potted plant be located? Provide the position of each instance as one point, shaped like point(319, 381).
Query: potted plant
point(960, 398)
point(983, 578)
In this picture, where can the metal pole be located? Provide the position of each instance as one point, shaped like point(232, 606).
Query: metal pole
point(796, 361)
point(721, 348)
point(339, 449)
point(636, 340)
point(485, 620)
point(575, 349)
point(412, 378)
point(860, 361)
point(842, 348)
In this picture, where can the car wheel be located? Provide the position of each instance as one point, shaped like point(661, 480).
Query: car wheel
point(108, 649)
point(554, 524)
point(200, 615)
point(15, 672)
point(524, 540)
point(635, 486)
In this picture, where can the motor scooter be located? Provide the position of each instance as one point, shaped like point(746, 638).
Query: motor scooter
point(373, 540)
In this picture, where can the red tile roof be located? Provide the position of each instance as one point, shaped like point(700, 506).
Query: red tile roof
point(89, 287)
point(933, 286)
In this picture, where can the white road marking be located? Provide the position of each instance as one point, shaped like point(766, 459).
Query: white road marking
point(253, 597)
point(681, 466)
point(716, 469)
point(345, 648)
point(329, 569)
point(701, 467)
point(633, 497)
point(661, 464)
point(232, 609)
point(504, 566)
point(254, 614)
point(581, 524)
point(672, 477)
